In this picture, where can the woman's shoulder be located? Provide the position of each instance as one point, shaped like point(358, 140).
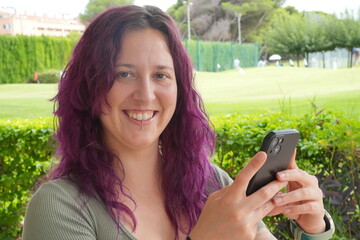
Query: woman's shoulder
point(57, 211)
point(52, 210)
point(58, 196)
point(57, 193)
point(58, 187)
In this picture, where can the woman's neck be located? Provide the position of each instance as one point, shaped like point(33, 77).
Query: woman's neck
point(140, 169)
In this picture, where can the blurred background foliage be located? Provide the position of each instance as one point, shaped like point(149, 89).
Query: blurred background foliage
point(328, 148)
point(277, 29)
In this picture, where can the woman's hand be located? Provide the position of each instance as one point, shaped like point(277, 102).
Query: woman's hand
point(230, 214)
point(303, 201)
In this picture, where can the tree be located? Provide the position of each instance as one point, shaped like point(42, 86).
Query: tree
point(297, 35)
point(216, 20)
point(287, 36)
point(316, 34)
point(345, 33)
point(178, 13)
point(94, 7)
point(254, 14)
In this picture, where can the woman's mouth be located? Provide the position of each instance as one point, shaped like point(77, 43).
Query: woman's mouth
point(140, 115)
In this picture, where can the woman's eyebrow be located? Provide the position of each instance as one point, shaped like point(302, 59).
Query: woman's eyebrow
point(159, 67)
point(128, 65)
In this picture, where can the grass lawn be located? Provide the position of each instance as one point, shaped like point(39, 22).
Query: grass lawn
point(257, 90)
point(281, 88)
point(26, 100)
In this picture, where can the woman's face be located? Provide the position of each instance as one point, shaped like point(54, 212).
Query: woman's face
point(143, 97)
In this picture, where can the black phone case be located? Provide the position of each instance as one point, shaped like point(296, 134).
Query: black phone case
point(275, 162)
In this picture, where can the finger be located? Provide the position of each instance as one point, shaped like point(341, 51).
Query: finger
point(278, 209)
point(291, 215)
point(311, 207)
point(265, 193)
point(292, 164)
point(264, 210)
point(275, 211)
point(297, 175)
point(242, 179)
point(302, 194)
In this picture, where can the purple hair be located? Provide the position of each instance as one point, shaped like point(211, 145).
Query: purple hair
point(186, 143)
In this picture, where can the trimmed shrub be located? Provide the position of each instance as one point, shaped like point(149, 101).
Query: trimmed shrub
point(21, 56)
point(50, 76)
point(25, 155)
point(329, 147)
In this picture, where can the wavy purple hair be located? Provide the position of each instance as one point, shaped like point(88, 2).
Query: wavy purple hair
point(186, 143)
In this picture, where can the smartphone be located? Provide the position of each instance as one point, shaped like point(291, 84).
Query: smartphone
point(279, 146)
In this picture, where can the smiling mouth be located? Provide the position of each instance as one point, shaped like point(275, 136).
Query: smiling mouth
point(140, 115)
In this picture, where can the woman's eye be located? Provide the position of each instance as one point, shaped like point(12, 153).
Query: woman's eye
point(161, 76)
point(123, 74)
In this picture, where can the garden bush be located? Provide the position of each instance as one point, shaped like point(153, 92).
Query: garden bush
point(50, 76)
point(21, 56)
point(329, 147)
point(25, 155)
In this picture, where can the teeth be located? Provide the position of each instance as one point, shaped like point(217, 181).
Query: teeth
point(141, 116)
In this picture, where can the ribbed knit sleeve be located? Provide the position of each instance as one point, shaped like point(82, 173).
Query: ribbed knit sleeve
point(54, 214)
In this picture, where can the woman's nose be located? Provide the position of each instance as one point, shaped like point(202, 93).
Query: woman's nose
point(145, 90)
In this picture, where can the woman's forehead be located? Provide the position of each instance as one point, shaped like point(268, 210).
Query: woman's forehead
point(144, 45)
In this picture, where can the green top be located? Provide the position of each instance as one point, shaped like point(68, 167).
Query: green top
point(54, 212)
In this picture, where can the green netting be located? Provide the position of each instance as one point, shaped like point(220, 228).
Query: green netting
point(218, 56)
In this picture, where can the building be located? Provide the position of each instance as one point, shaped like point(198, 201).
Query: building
point(12, 23)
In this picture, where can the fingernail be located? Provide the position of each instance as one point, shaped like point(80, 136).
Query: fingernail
point(278, 200)
point(279, 194)
point(261, 155)
point(287, 210)
point(281, 175)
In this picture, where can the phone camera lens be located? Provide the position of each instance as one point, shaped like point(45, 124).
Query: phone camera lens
point(274, 142)
point(276, 150)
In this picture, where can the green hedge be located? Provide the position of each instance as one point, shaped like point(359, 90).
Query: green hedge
point(206, 55)
point(329, 147)
point(25, 155)
point(50, 76)
point(21, 56)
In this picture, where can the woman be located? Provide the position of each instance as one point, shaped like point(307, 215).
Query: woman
point(134, 143)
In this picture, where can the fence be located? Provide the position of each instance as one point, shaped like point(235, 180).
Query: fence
point(218, 56)
point(331, 59)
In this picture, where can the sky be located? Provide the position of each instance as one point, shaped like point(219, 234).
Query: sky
point(72, 8)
